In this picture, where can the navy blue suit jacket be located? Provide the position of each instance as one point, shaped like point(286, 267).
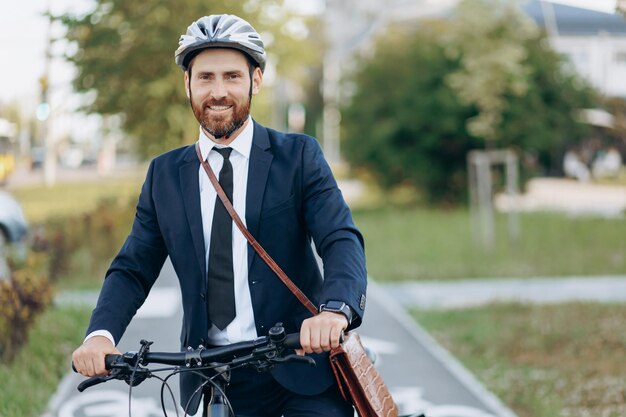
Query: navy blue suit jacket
point(292, 198)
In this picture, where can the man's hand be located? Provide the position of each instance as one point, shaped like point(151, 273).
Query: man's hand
point(321, 333)
point(88, 359)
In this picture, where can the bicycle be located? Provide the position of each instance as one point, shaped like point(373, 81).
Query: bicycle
point(261, 354)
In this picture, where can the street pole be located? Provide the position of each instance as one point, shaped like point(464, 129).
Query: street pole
point(44, 113)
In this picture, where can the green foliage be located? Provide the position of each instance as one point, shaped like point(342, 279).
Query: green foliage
point(35, 373)
point(543, 122)
point(124, 53)
point(22, 298)
point(407, 123)
point(80, 247)
point(489, 37)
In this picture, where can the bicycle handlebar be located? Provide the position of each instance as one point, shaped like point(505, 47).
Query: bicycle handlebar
point(261, 352)
point(216, 354)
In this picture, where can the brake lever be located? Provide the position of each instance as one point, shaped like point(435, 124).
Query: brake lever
point(94, 380)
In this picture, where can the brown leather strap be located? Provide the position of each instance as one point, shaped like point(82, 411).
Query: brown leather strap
point(257, 247)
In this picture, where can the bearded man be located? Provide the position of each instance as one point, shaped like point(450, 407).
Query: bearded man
point(284, 190)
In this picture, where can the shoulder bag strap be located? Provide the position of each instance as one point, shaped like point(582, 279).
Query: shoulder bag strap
point(257, 247)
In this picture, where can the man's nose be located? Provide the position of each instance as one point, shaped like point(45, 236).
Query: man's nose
point(218, 90)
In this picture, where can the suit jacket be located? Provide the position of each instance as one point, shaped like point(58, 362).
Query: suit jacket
point(291, 198)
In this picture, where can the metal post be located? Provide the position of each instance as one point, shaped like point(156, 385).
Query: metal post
point(484, 202)
point(512, 178)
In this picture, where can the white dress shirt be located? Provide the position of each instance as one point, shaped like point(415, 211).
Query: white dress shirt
point(242, 327)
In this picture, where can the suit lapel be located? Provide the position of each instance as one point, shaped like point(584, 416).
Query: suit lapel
point(190, 186)
point(258, 171)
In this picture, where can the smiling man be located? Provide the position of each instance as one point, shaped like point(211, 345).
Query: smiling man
point(283, 189)
point(220, 91)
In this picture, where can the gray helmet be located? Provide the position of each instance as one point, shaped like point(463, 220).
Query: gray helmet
point(220, 31)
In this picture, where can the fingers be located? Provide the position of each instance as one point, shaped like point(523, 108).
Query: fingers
point(322, 332)
point(335, 337)
point(88, 359)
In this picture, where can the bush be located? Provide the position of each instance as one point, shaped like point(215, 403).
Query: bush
point(22, 298)
point(96, 236)
point(407, 125)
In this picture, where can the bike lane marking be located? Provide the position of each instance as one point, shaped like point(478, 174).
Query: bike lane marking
point(393, 320)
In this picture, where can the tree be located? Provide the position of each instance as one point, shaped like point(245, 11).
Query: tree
point(124, 55)
point(488, 37)
point(407, 124)
point(544, 121)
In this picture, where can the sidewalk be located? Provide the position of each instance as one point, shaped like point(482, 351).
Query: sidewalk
point(468, 293)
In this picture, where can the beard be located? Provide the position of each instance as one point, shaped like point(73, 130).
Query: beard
point(220, 126)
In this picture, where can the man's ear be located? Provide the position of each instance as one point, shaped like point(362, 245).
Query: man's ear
point(257, 81)
point(187, 84)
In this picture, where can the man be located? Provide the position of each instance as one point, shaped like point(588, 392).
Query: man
point(283, 189)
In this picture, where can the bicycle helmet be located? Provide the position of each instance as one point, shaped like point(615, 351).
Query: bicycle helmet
point(220, 31)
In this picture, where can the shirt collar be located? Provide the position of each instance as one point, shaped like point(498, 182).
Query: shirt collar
point(242, 143)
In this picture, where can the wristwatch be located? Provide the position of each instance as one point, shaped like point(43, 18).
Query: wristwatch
point(338, 307)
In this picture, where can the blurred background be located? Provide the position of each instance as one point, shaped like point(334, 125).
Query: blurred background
point(477, 141)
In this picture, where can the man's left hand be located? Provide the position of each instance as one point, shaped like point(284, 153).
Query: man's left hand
point(322, 333)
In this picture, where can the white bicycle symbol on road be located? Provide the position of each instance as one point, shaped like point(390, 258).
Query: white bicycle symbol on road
point(410, 400)
point(115, 404)
point(109, 404)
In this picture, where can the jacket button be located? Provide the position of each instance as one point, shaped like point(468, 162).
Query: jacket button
point(202, 295)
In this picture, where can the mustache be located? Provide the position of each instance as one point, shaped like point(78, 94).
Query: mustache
point(213, 102)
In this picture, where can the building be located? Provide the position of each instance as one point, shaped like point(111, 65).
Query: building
point(593, 42)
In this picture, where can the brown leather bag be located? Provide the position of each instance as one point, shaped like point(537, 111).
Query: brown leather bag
point(359, 381)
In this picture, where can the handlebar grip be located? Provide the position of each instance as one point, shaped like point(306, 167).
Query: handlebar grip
point(292, 341)
point(109, 360)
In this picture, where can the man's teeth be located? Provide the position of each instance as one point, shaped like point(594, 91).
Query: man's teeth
point(219, 107)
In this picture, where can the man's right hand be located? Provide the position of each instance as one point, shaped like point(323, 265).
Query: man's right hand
point(88, 359)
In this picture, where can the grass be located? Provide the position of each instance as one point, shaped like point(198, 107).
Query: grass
point(30, 380)
point(63, 200)
point(562, 360)
point(413, 243)
point(72, 200)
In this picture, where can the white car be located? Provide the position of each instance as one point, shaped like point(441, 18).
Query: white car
point(13, 228)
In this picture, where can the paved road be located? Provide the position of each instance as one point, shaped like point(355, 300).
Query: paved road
point(422, 376)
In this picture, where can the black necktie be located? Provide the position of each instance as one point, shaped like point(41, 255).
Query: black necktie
point(221, 291)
